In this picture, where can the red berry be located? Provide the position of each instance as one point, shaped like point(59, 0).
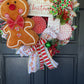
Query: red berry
point(58, 51)
point(55, 44)
point(52, 9)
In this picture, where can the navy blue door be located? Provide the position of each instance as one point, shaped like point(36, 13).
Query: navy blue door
point(13, 68)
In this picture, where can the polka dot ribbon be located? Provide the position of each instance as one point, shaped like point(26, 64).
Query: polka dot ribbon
point(60, 5)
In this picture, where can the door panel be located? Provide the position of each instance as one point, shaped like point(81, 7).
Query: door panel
point(81, 50)
point(6, 50)
point(82, 3)
point(69, 49)
point(64, 74)
point(16, 70)
point(39, 77)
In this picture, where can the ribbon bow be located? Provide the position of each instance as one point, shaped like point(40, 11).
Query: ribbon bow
point(39, 53)
point(19, 21)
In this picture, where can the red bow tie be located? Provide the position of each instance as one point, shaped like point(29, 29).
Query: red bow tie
point(19, 21)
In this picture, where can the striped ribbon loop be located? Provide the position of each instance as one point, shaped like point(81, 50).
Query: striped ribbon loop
point(38, 56)
point(43, 56)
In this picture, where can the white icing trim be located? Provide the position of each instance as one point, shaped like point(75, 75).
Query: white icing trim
point(19, 0)
point(0, 9)
point(25, 8)
point(19, 40)
point(28, 22)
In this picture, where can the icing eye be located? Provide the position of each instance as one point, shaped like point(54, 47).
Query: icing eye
point(8, 3)
point(14, 1)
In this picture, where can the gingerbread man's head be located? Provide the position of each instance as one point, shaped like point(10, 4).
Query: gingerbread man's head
point(13, 8)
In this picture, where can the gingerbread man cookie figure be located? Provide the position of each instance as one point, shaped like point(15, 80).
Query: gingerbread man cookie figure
point(18, 27)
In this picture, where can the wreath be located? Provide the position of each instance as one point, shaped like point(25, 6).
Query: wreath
point(48, 33)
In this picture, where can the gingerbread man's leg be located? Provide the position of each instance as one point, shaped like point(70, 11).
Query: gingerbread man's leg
point(13, 42)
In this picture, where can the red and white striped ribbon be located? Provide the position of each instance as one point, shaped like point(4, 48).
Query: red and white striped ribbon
point(40, 55)
point(44, 58)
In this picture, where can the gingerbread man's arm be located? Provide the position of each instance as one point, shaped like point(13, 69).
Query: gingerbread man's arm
point(6, 29)
point(29, 23)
